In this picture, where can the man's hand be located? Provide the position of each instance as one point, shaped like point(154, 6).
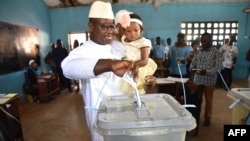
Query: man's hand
point(120, 67)
point(198, 71)
point(150, 81)
point(181, 61)
point(202, 72)
point(194, 70)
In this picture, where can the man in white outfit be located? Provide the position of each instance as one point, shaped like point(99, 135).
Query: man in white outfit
point(229, 53)
point(98, 66)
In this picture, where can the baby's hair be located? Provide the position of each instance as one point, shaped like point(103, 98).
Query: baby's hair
point(136, 18)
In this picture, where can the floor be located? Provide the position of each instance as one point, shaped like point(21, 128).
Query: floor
point(62, 119)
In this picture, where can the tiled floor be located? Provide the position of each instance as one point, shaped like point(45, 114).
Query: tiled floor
point(62, 119)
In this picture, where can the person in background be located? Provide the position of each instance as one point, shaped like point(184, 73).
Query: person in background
point(159, 56)
point(248, 54)
point(76, 44)
point(219, 83)
point(96, 65)
point(137, 50)
point(167, 47)
point(190, 58)
point(38, 56)
point(248, 59)
point(226, 41)
point(206, 64)
point(177, 57)
point(32, 73)
point(229, 53)
point(49, 60)
point(76, 81)
point(59, 53)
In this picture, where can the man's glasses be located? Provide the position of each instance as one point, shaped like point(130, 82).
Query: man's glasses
point(106, 27)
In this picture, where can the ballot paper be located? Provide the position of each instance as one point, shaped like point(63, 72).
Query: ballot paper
point(131, 81)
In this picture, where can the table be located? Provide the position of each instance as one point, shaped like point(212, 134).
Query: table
point(48, 85)
point(241, 98)
point(10, 102)
point(163, 85)
point(10, 117)
point(174, 87)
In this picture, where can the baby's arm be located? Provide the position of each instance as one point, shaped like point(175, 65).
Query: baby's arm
point(144, 57)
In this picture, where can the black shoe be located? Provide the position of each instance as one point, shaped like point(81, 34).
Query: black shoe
point(207, 122)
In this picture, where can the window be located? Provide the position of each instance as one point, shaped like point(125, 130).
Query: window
point(219, 30)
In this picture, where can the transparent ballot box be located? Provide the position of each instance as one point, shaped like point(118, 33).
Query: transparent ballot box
point(160, 117)
point(240, 110)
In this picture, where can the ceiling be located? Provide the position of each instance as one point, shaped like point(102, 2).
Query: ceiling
point(156, 3)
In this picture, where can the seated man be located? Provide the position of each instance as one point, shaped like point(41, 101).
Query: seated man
point(31, 75)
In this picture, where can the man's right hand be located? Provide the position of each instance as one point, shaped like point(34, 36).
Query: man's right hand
point(119, 67)
point(122, 66)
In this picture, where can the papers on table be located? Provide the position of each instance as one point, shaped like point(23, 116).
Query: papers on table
point(10, 95)
point(3, 100)
point(45, 76)
point(178, 79)
point(5, 97)
point(1, 95)
point(171, 80)
point(164, 81)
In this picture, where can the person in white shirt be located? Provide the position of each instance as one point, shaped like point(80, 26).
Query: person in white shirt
point(168, 41)
point(159, 56)
point(229, 54)
point(96, 65)
point(167, 47)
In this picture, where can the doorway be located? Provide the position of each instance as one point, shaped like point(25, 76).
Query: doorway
point(82, 37)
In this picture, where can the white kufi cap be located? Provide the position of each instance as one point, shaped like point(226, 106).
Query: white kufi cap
point(100, 9)
point(31, 61)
